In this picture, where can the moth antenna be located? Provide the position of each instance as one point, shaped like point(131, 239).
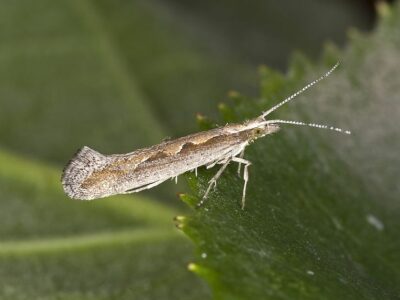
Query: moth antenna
point(322, 126)
point(290, 98)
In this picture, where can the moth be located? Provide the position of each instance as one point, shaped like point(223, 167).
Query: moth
point(90, 174)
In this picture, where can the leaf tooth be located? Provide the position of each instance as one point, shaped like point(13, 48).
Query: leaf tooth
point(383, 9)
point(298, 66)
point(188, 199)
point(331, 54)
point(180, 222)
point(226, 112)
point(204, 122)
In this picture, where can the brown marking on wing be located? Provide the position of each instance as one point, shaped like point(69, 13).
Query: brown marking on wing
point(184, 143)
point(201, 143)
point(226, 139)
point(100, 176)
point(219, 140)
point(156, 156)
point(194, 142)
point(130, 161)
point(187, 147)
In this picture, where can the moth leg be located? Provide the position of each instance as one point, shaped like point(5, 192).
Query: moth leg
point(240, 164)
point(213, 182)
point(245, 176)
point(146, 187)
point(227, 157)
point(211, 165)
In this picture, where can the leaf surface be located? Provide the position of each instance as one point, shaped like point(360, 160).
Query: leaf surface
point(52, 247)
point(322, 213)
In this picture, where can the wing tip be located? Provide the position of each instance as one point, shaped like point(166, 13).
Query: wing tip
point(80, 167)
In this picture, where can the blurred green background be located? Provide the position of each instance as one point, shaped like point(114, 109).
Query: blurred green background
point(116, 76)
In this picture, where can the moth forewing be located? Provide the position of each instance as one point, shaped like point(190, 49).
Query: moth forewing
point(90, 174)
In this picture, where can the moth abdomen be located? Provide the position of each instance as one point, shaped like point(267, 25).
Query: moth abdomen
point(80, 167)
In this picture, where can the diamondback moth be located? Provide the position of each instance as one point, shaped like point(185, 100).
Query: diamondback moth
point(90, 174)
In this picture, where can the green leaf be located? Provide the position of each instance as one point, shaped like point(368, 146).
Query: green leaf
point(322, 216)
point(89, 78)
point(84, 94)
point(111, 75)
point(30, 190)
point(145, 264)
point(50, 245)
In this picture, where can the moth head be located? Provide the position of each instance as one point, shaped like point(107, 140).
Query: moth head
point(264, 129)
